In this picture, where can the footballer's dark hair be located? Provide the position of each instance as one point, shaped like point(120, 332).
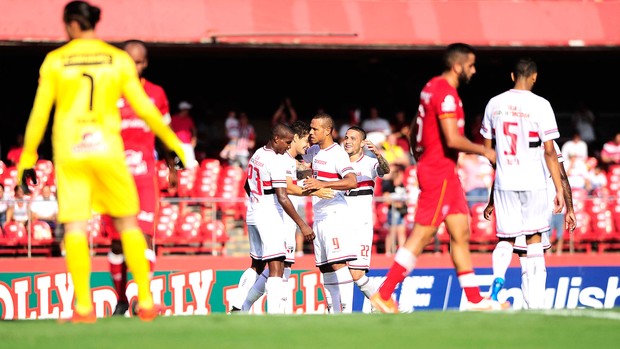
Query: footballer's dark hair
point(327, 120)
point(86, 15)
point(524, 68)
point(456, 53)
point(360, 130)
point(280, 130)
point(300, 128)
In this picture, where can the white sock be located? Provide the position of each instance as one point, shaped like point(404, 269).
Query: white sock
point(275, 291)
point(406, 259)
point(536, 275)
point(366, 286)
point(502, 256)
point(248, 278)
point(524, 286)
point(332, 292)
point(287, 274)
point(256, 291)
point(345, 284)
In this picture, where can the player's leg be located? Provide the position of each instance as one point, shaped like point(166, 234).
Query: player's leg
point(118, 267)
point(558, 225)
point(404, 263)
point(524, 283)
point(273, 239)
point(252, 274)
point(148, 195)
point(134, 249)
point(118, 197)
point(79, 266)
point(337, 246)
point(338, 285)
point(118, 271)
point(275, 287)
point(536, 222)
point(458, 227)
point(502, 256)
point(509, 226)
point(74, 211)
point(360, 266)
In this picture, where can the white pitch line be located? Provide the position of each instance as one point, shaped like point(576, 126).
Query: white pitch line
point(608, 315)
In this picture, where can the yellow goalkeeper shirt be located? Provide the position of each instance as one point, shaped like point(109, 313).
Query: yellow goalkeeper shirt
point(84, 79)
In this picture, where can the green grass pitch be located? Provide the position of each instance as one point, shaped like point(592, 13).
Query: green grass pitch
point(550, 329)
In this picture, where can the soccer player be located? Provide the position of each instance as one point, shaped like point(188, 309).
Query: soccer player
point(436, 140)
point(84, 79)
point(334, 245)
point(502, 261)
point(519, 121)
point(139, 144)
point(299, 146)
point(266, 186)
point(360, 201)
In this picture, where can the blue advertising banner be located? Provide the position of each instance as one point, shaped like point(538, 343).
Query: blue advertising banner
point(567, 288)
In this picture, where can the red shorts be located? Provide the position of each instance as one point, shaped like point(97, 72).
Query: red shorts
point(440, 196)
point(148, 194)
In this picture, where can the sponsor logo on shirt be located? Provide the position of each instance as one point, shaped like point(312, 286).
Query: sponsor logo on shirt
point(448, 104)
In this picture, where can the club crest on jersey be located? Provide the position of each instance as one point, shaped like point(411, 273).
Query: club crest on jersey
point(448, 104)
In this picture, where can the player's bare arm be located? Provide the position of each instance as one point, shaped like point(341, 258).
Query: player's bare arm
point(456, 141)
point(384, 166)
point(348, 182)
point(290, 210)
point(569, 220)
point(488, 211)
point(413, 139)
point(551, 159)
point(294, 189)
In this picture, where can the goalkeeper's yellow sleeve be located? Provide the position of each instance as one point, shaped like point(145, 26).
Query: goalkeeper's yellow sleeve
point(37, 122)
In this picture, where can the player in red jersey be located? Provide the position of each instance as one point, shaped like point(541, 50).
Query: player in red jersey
point(139, 144)
point(436, 141)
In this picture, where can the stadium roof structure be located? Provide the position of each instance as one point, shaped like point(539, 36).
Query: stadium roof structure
point(380, 24)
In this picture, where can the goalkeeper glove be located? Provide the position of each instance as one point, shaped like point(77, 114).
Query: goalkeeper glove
point(27, 174)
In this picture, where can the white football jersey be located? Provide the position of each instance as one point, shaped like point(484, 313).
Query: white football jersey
point(360, 198)
point(290, 165)
point(265, 172)
point(329, 164)
point(519, 121)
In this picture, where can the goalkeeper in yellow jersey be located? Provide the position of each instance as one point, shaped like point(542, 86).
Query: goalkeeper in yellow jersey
point(84, 79)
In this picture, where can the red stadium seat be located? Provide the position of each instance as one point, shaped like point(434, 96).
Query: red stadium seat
point(45, 171)
point(605, 230)
point(583, 235)
point(579, 199)
point(214, 237)
point(163, 175)
point(186, 179)
point(11, 236)
point(380, 228)
point(230, 188)
point(188, 228)
point(483, 236)
point(100, 240)
point(16, 232)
